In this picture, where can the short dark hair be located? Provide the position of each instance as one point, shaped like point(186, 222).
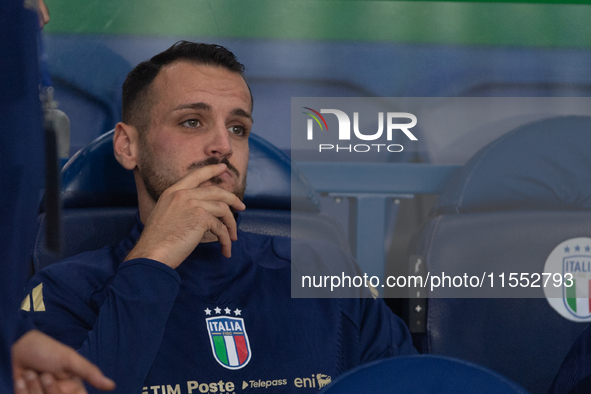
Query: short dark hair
point(136, 98)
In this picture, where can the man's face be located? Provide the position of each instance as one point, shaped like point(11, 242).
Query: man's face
point(201, 116)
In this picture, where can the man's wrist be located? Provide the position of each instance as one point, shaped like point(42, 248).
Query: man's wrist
point(154, 254)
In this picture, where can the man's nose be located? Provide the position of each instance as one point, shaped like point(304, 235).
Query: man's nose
point(219, 143)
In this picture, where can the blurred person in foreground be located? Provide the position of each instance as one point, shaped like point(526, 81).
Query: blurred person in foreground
point(40, 364)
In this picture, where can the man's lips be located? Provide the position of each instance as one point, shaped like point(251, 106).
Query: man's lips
point(213, 161)
point(226, 175)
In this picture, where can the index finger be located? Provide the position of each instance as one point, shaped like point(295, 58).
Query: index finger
point(89, 372)
point(196, 177)
point(76, 366)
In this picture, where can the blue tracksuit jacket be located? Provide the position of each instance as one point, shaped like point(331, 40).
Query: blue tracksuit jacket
point(213, 325)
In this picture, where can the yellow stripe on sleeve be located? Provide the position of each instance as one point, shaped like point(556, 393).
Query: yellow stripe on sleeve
point(38, 305)
point(26, 304)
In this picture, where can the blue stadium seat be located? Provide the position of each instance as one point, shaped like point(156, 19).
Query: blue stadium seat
point(505, 211)
point(423, 374)
point(87, 80)
point(100, 203)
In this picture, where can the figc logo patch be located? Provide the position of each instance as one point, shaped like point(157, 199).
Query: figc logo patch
point(572, 257)
point(229, 341)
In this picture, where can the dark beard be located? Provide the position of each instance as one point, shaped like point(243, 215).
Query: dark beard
point(216, 180)
point(156, 184)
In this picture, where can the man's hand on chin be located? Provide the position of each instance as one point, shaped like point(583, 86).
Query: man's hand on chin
point(184, 214)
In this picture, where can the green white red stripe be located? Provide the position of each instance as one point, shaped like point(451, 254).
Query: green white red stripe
point(229, 341)
point(578, 297)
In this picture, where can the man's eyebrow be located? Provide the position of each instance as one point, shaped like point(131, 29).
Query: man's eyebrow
point(242, 113)
point(206, 107)
point(199, 105)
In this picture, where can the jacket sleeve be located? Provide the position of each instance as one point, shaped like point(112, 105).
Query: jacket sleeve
point(383, 334)
point(574, 375)
point(369, 329)
point(118, 325)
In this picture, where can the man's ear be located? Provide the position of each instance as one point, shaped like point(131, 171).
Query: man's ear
point(125, 145)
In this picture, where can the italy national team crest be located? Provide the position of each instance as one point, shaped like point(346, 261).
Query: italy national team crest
point(572, 257)
point(229, 341)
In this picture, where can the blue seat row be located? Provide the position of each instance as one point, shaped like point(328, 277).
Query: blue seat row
point(521, 205)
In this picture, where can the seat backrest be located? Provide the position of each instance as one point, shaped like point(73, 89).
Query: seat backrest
point(521, 202)
point(422, 374)
point(100, 201)
point(87, 80)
